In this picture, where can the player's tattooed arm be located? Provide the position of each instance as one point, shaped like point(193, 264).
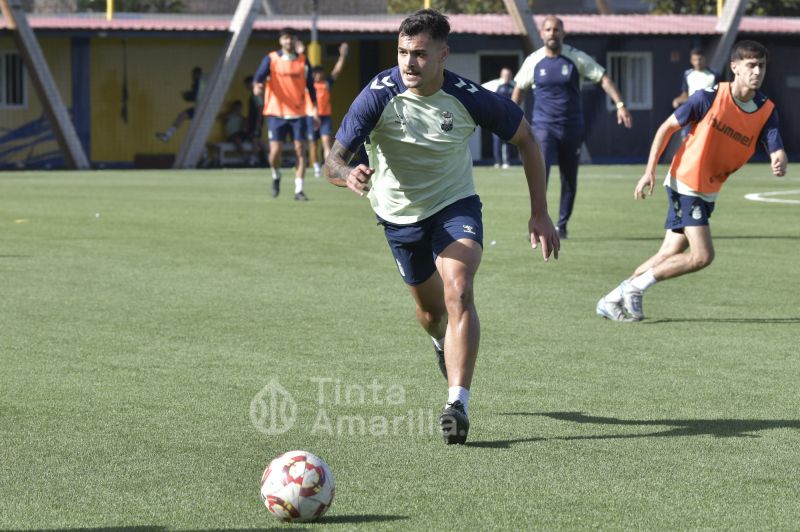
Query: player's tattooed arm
point(339, 173)
point(337, 164)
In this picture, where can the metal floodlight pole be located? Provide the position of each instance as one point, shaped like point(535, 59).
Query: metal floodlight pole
point(523, 20)
point(314, 17)
point(205, 115)
point(314, 50)
point(728, 26)
point(57, 113)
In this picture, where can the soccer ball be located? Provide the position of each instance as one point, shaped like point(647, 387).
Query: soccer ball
point(297, 486)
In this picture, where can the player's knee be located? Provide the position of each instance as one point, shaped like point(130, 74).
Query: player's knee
point(430, 317)
point(458, 295)
point(702, 259)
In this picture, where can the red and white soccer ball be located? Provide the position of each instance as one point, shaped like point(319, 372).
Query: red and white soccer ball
point(297, 486)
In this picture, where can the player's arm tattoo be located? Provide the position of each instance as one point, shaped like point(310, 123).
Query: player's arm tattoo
point(337, 164)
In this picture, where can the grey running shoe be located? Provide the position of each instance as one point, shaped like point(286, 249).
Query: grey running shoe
point(300, 196)
point(611, 310)
point(632, 301)
point(454, 424)
point(276, 187)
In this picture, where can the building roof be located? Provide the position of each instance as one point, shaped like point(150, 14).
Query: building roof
point(492, 24)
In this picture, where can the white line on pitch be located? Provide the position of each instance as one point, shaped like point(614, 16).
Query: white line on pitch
point(767, 196)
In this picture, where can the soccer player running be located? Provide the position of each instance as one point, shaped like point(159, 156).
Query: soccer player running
point(555, 72)
point(417, 119)
point(282, 80)
point(726, 124)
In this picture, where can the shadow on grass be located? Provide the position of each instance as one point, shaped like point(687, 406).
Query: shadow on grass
point(659, 238)
point(719, 428)
point(779, 321)
point(501, 444)
point(333, 519)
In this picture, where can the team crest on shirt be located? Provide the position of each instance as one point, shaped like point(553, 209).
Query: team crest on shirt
point(542, 72)
point(447, 121)
point(697, 214)
point(565, 70)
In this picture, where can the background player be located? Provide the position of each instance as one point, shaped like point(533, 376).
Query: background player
point(192, 95)
point(727, 123)
point(282, 80)
point(699, 77)
point(504, 86)
point(555, 72)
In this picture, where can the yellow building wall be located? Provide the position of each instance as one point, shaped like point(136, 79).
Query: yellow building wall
point(57, 53)
point(158, 71)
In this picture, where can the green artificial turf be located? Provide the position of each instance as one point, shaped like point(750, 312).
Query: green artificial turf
point(145, 315)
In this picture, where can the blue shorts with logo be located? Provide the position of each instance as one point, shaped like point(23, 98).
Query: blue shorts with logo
point(279, 128)
point(686, 211)
point(416, 246)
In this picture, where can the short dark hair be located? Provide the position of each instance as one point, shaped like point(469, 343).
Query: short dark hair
point(316, 69)
point(427, 21)
point(291, 32)
point(697, 51)
point(749, 50)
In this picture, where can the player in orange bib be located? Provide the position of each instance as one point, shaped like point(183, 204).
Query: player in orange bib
point(282, 78)
point(726, 123)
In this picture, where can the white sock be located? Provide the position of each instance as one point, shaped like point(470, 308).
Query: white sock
point(317, 167)
point(438, 343)
point(276, 174)
point(458, 393)
point(644, 281)
point(298, 184)
point(615, 296)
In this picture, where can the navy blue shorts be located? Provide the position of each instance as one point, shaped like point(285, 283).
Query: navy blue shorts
point(325, 126)
point(686, 211)
point(416, 246)
point(311, 133)
point(279, 128)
